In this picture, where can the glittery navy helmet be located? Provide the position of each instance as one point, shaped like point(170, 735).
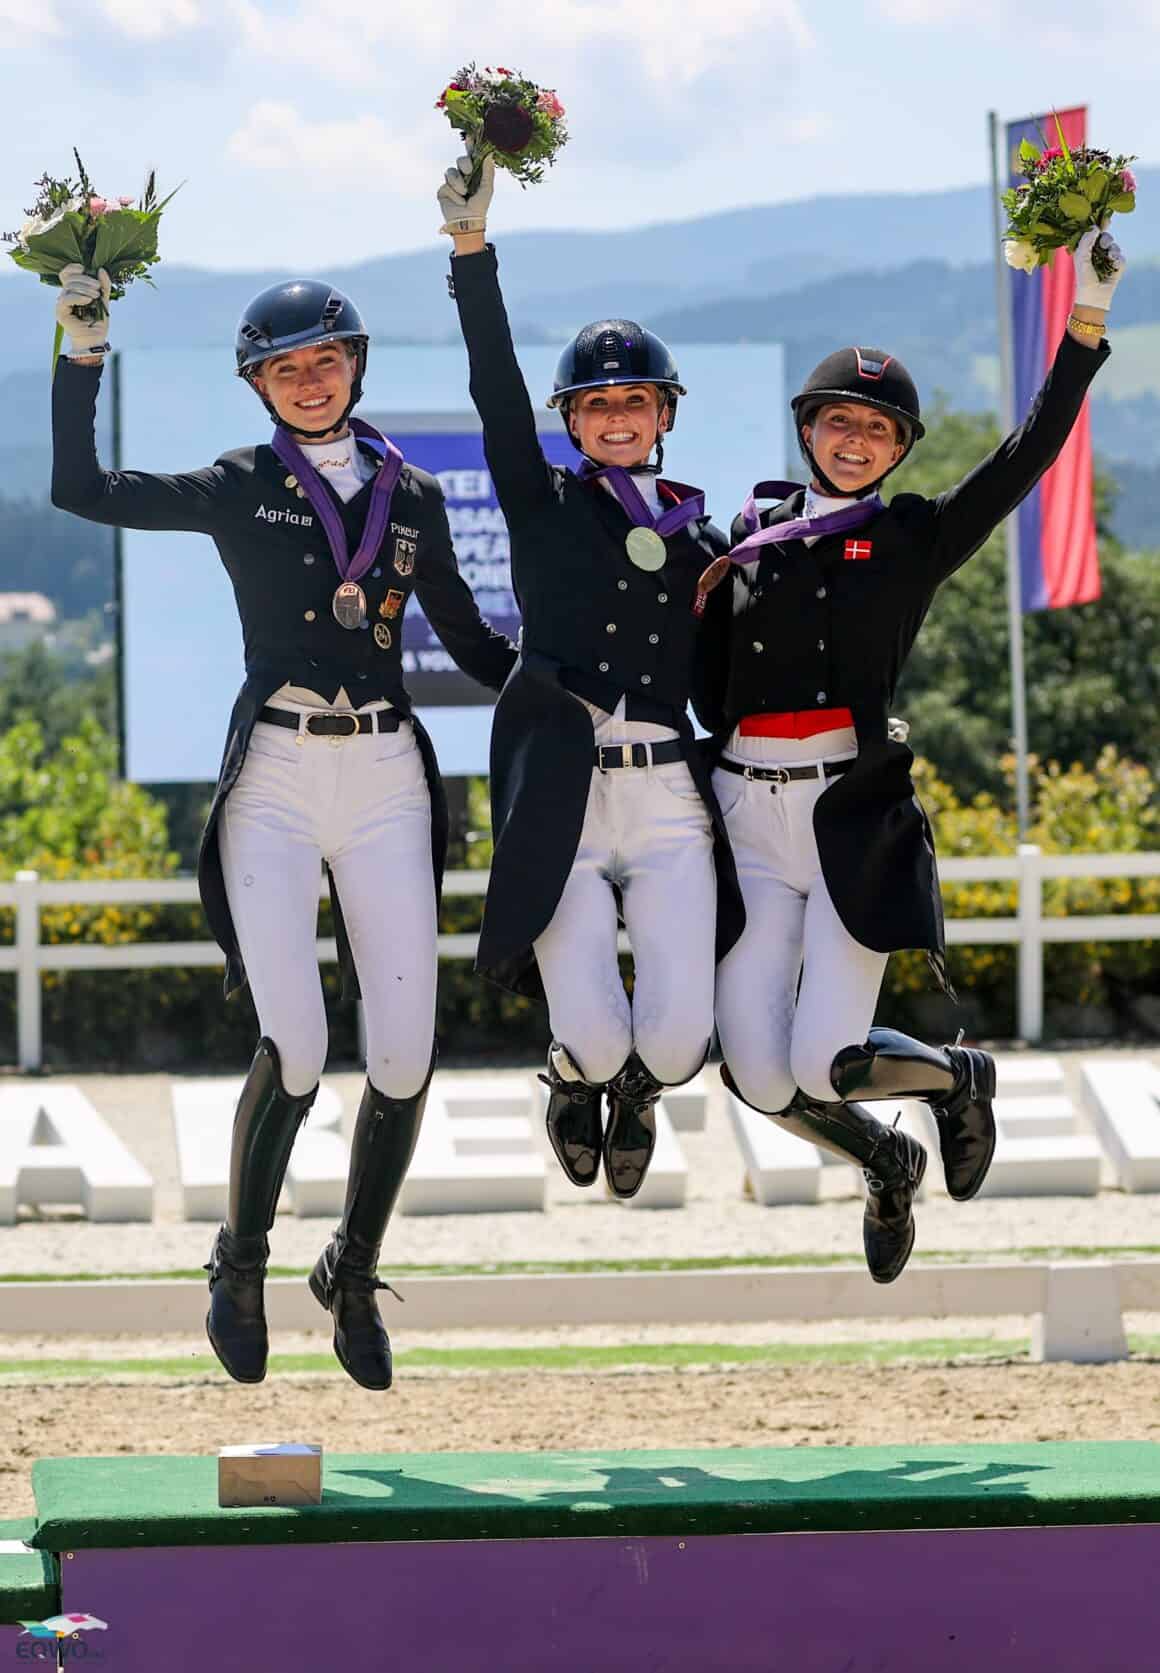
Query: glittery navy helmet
point(615, 351)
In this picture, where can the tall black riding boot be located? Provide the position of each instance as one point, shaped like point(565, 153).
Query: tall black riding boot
point(573, 1117)
point(892, 1164)
point(266, 1124)
point(345, 1277)
point(631, 1135)
point(958, 1082)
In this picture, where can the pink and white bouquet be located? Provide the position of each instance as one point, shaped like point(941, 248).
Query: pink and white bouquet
point(507, 117)
point(1064, 192)
point(71, 223)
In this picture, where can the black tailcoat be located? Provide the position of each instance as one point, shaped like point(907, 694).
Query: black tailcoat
point(594, 627)
point(278, 558)
point(831, 628)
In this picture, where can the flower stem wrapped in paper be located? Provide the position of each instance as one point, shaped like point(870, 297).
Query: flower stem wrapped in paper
point(71, 225)
point(504, 115)
point(1065, 192)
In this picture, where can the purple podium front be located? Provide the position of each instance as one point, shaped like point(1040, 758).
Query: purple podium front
point(813, 1560)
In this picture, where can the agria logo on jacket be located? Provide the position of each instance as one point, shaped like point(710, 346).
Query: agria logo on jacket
point(279, 516)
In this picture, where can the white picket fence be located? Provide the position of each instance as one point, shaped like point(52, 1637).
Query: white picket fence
point(1030, 930)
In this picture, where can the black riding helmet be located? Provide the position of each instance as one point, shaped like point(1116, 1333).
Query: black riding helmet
point(294, 315)
point(615, 351)
point(869, 378)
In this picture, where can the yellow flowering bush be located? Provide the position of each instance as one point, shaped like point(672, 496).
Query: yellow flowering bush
point(1112, 808)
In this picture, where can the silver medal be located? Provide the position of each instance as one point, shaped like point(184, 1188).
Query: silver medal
point(645, 549)
point(349, 605)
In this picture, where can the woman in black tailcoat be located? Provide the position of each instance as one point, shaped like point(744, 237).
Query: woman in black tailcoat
point(325, 533)
point(801, 656)
point(600, 799)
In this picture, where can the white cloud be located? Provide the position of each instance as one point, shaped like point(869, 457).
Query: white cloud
point(336, 40)
point(809, 127)
point(923, 11)
point(150, 20)
point(277, 136)
point(1043, 26)
point(18, 19)
point(673, 42)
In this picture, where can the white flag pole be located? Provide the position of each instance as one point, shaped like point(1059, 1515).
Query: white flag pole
point(1007, 416)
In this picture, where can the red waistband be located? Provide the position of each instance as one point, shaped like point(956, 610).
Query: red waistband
point(805, 723)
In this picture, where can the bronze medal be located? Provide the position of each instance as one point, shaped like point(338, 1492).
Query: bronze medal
point(349, 605)
point(382, 636)
point(645, 549)
point(710, 578)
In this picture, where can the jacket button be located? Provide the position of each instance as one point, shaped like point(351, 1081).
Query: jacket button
point(821, 644)
point(308, 557)
point(821, 696)
point(623, 585)
point(654, 638)
point(611, 627)
point(776, 576)
point(309, 615)
point(757, 645)
point(376, 573)
point(646, 679)
point(604, 667)
point(821, 592)
point(662, 598)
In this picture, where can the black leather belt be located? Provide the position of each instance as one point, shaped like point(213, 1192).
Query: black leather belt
point(332, 725)
point(608, 756)
point(783, 775)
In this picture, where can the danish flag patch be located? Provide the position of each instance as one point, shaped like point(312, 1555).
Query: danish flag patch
point(857, 549)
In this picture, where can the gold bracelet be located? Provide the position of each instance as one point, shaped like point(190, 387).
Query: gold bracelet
point(1083, 327)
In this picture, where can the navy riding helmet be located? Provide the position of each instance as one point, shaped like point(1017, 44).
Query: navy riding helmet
point(615, 351)
point(297, 314)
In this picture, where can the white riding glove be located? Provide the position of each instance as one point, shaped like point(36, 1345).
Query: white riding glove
point(78, 290)
point(1090, 290)
point(460, 212)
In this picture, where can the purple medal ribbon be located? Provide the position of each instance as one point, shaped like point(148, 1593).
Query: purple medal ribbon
point(833, 522)
point(635, 506)
point(292, 456)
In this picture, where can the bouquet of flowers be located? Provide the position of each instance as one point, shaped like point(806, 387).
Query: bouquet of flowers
point(1065, 191)
point(70, 222)
point(505, 116)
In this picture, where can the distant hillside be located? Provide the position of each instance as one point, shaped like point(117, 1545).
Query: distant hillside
point(910, 272)
point(556, 280)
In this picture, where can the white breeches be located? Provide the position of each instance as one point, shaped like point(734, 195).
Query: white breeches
point(647, 833)
point(363, 807)
point(776, 1035)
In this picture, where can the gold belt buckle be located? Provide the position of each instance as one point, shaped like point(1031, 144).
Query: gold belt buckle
point(626, 755)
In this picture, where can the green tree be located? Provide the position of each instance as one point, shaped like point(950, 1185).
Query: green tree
point(55, 690)
point(1093, 676)
point(66, 811)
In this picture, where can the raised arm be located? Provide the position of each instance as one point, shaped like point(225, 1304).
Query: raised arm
point(129, 499)
point(451, 609)
point(967, 513)
point(521, 473)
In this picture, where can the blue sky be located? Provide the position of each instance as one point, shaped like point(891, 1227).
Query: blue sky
point(306, 134)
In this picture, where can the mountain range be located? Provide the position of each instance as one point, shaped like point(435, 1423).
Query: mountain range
point(912, 272)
